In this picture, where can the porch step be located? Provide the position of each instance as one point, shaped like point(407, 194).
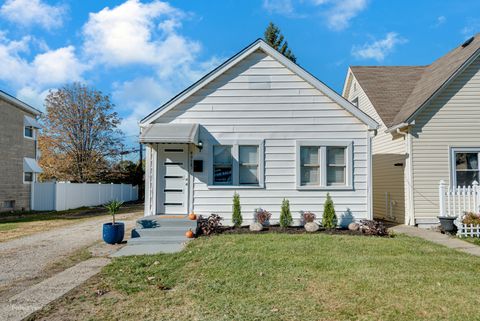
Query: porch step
point(158, 234)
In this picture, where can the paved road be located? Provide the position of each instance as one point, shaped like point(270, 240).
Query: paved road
point(23, 261)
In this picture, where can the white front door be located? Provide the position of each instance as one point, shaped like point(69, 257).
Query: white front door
point(172, 188)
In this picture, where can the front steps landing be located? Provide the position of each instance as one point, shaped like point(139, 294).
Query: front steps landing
point(158, 234)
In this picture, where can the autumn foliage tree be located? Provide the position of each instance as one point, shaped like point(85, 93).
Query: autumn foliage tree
point(80, 134)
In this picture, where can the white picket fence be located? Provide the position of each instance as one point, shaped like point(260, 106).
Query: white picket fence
point(54, 196)
point(455, 201)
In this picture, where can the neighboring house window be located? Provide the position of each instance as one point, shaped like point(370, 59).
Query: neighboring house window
point(222, 165)
point(355, 102)
point(28, 132)
point(324, 165)
point(9, 204)
point(238, 164)
point(467, 167)
point(28, 177)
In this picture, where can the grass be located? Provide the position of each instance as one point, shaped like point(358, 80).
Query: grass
point(18, 224)
point(283, 277)
point(473, 240)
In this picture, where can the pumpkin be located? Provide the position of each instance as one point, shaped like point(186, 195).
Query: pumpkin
point(189, 234)
point(192, 216)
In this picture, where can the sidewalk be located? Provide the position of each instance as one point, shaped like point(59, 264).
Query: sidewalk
point(439, 238)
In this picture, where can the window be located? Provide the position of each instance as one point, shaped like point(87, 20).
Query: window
point(222, 165)
point(10, 204)
point(248, 163)
point(467, 167)
point(336, 166)
point(310, 165)
point(355, 102)
point(238, 164)
point(324, 165)
point(27, 177)
point(28, 132)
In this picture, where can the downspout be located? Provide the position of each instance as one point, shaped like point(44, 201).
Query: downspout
point(372, 133)
point(410, 217)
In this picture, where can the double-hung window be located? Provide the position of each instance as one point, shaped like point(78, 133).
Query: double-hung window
point(238, 164)
point(466, 169)
point(324, 165)
point(28, 132)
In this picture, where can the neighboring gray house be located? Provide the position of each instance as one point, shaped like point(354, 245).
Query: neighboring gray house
point(429, 120)
point(18, 156)
point(261, 126)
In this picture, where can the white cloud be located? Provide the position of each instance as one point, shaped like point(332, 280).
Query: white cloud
point(33, 96)
point(472, 26)
point(284, 7)
point(337, 13)
point(440, 21)
point(44, 70)
point(139, 33)
point(58, 66)
point(342, 11)
point(33, 12)
point(378, 49)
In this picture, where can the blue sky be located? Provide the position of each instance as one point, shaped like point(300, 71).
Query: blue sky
point(144, 52)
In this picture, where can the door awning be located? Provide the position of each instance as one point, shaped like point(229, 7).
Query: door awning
point(31, 165)
point(170, 133)
point(31, 122)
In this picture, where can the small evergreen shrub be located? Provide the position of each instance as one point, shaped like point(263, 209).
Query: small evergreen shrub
point(329, 219)
point(236, 211)
point(285, 214)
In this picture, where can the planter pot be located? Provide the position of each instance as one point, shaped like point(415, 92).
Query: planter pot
point(113, 234)
point(446, 223)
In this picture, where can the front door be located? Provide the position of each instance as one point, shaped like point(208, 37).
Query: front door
point(172, 195)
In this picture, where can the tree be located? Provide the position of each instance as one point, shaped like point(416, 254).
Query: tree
point(80, 134)
point(329, 219)
point(237, 211)
point(285, 214)
point(275, 38)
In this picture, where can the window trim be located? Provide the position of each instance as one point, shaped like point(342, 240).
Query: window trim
point(322, 145)
point(236, 164)
point(453, 163)
point(33, 137)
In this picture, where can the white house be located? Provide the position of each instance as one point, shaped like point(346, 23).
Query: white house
point(263, 127)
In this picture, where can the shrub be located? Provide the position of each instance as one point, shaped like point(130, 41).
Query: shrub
point(371, 227)
point(210, 225)
point(236, 211)
point(285, 214)
point(471, 218)
point(308, 217)
point(262, 216)
point(329, 218)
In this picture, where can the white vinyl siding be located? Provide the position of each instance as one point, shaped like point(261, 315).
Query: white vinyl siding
point(388, 162)
point(259, 98)
point(451, 120)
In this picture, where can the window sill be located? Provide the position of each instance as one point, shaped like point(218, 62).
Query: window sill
point(236, 187)
point(325, 188)
point(30, 138)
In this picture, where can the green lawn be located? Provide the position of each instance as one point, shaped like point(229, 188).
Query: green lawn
point(284, 277)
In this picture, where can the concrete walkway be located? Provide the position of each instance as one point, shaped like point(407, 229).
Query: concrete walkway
point(36, 297)
point(439, 238)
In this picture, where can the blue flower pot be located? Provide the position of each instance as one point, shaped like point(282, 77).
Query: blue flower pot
point(113, 234)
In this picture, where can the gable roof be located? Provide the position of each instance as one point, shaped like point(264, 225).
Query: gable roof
point(262, 45)
point(387, 87)
point(19, 104)
point(399, 93)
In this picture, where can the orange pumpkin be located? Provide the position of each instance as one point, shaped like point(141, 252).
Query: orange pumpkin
point(192, 216)
point(189, 234)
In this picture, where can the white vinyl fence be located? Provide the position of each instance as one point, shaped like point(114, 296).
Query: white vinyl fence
point(63, 196)
point(455, 201)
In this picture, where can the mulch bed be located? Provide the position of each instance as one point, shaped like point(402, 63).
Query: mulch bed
point(287, 230)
